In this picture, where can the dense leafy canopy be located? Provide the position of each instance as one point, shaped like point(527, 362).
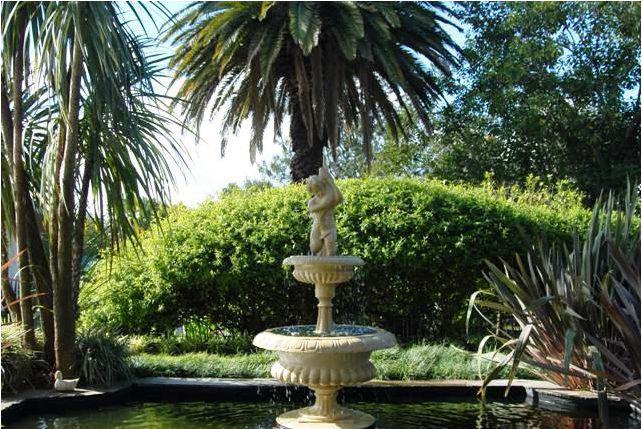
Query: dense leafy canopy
point(547, 89)
point(550, 88)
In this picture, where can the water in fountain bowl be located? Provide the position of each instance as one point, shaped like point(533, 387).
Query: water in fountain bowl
point(308, 331)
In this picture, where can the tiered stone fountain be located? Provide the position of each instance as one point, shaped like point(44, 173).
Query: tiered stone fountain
point(324, 357)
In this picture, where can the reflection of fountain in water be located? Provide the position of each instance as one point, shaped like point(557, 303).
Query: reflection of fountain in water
point(325, 357)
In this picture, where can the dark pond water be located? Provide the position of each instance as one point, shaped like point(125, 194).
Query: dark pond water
point(261, 415)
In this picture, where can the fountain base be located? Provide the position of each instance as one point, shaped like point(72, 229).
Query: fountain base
point(325, 364)
point(325, 414)
point(344, 419)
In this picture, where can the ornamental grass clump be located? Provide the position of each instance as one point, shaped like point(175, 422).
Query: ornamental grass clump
point(196, 335)
point(102, 357)
point(574, 312)
point(21, 368)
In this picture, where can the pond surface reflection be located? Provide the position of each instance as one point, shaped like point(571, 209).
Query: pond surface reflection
point(261, 415)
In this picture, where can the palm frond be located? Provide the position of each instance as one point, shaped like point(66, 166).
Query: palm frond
point(341, 62)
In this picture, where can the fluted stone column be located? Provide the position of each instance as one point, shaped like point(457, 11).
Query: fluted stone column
point(324, 293)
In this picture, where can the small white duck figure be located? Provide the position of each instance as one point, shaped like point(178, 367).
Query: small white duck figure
point(61, 385)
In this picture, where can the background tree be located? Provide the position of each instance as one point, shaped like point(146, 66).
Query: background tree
point(551, 89)
point(329, 65)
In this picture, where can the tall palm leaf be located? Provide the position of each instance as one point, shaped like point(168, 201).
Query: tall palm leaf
point(328, 64)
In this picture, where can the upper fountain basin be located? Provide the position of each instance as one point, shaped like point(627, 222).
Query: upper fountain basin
point(323, 269)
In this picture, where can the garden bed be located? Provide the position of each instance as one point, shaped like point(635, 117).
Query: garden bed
point(417, 362)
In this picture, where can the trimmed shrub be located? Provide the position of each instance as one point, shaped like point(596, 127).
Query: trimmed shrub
point(423, 241)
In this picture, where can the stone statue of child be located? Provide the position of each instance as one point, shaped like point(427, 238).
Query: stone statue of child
point(323, 236)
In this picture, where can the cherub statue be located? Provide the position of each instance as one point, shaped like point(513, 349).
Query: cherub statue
point(323, 236)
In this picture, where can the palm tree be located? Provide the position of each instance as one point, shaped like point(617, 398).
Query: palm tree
point(112, 140)
point(18, 43)
point(329, 65)
point(104, 133)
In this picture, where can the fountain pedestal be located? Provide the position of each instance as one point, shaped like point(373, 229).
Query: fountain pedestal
point(325, 357)
point(324, 293)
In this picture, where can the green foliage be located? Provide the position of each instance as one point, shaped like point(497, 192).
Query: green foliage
point(423, 242)
point(537, 191)
point(203, 365)
point(417, 362)
point(21, 368)
point(197, 337)
point(577, 308)
point(549, 88)
point(102, 358)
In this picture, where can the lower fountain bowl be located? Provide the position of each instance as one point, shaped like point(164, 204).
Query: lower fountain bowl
point(341, 358)
point(323, 369)
point(325, 363)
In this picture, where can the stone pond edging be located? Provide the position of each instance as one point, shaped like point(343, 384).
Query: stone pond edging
point(541, 394)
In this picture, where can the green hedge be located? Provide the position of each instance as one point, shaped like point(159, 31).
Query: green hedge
point(423, 242)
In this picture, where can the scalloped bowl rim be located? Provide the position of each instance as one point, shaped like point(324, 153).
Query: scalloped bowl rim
point(303, 260)
point(380, 339)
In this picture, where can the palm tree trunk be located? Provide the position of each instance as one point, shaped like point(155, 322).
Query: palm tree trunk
point(306, 158)
point(7, 124)
point(65, 325)
point(20, 191)
point(55, 196)
point(55, 201)
point(7, 292)
point(38, 260)
point(39, 267)
point(53, 222)
point(79, 230)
